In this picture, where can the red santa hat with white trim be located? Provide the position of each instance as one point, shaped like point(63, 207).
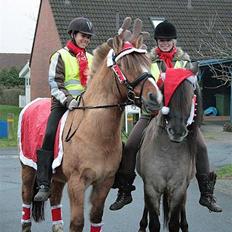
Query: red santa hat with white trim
point(173, 78)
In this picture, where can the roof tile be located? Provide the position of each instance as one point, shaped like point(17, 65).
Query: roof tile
point(194, 24)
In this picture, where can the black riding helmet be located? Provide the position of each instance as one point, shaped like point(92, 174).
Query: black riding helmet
point(165, 30)
point(80, 24)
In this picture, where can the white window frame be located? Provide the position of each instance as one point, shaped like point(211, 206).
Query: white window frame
point(156, 20)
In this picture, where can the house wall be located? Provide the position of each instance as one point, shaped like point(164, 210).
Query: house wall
point(46, 43)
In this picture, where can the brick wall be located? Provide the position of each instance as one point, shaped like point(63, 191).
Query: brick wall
point(46, 42)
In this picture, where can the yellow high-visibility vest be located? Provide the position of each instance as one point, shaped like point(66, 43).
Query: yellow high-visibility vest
point(72, 78)
point(155, 71)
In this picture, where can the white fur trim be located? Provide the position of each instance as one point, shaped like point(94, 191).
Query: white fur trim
point(110, 55)
point(57, 161)
point(25, 221)
point(26, 206)
point(128, 51)
point(58, 222)
point(56, 206)
point(120, 30)
point(97, 224)
point(165, 110)
point(192, 113)
point(163, 75)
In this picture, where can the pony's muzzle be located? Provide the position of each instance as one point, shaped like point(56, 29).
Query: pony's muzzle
point(177, 135)
point(151, 104)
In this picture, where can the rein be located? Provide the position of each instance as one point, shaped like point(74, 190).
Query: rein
point(119, 105)
point(130, 95)
point(112, 58)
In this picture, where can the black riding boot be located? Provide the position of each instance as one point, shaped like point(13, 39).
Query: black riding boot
point(125, 185)
point(44, 174)
point(206, 184)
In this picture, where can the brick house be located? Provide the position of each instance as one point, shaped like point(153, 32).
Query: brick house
point(9, 60)
point(198, 24)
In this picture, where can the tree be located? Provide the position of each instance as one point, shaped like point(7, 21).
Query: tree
point(10, 77)
point(216, 43)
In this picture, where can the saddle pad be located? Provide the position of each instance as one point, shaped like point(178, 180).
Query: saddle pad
point(31, 130)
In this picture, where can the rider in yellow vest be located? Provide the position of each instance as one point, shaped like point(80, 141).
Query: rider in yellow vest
point(165, 55)
point(68, 73)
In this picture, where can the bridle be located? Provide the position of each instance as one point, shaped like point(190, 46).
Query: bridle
point(112, 59)
point(132, 99)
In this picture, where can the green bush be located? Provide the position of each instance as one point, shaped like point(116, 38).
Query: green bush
point(10, 77)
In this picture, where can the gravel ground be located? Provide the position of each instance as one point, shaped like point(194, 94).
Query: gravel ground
point(225, 186)
point(213, 133)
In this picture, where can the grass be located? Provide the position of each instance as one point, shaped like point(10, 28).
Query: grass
point(11, 115)
point(11, 141)
point(225, 172)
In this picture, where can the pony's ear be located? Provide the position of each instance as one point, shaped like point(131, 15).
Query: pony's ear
point(137, 38)
point(137, 28)
point(110, 42)
point(143, 46)
point(194, 67)
point(146, 35)
point(117, 44)
point(139, 42)
point(143, 36)
point(127, 35)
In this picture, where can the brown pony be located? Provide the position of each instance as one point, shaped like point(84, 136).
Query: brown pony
point(92, 133)
point(166, 160)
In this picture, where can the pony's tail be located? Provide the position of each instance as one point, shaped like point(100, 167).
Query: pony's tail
point(166, 209)
point(37, 206)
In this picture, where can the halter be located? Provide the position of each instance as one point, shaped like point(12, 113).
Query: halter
point(112, 59)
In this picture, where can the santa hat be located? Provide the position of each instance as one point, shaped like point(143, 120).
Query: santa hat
point(173, 78)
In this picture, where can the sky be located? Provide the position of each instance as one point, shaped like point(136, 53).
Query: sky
point(17, 25)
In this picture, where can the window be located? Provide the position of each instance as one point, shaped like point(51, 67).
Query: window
point(156, 20)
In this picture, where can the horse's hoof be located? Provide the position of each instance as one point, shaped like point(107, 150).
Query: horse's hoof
point(26, 227)
point(57, 227)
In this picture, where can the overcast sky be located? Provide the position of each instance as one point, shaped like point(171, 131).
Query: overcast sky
point(17, 25)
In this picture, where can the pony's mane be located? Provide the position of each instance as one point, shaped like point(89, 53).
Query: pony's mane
point(99, 55)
